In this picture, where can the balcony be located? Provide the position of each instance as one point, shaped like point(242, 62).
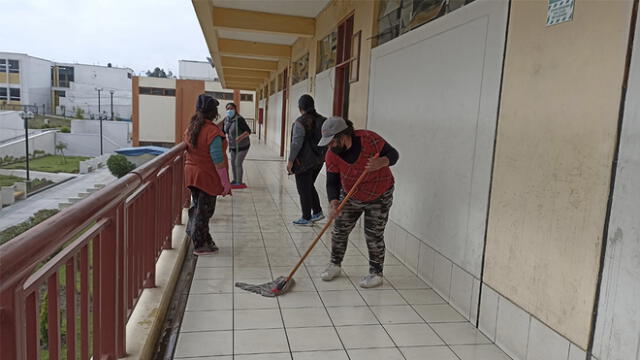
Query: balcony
point(113, 244)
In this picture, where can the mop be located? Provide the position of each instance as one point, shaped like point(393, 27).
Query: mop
point(283, 284)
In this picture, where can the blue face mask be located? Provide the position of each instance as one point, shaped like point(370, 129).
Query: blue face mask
point(231, 113)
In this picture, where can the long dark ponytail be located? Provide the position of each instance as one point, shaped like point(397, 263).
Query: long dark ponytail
point(206, 109)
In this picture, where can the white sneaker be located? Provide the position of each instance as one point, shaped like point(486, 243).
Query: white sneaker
point(331, 272)
point(371, 280)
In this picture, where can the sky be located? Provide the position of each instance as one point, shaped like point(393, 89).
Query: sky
point(138, 34)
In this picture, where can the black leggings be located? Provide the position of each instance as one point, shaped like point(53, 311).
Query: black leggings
point(309, 199)
point(202, 208)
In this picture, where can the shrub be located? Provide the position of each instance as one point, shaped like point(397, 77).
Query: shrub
point(119, 165)
point(13, 231)
point(65, 129)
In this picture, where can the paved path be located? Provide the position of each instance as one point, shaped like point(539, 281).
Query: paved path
point(49, 199)
point(404, 319)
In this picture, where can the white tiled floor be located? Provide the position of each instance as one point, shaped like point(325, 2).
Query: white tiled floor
point(316, 320)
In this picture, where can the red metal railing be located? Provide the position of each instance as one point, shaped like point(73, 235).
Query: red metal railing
point(103, 252)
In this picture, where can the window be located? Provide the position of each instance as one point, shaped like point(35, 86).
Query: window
point(399, 16)
point(327, 50)
point(14, 94)
point(14, 66)
point(301, 69)
point(246, 97)
point(129, 75)
point(220, 95)
point(3, 93)
point(3, 65)
point(65, 75)
point(157, 91)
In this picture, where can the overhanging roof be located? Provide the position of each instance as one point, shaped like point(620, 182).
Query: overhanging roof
point(247, 38)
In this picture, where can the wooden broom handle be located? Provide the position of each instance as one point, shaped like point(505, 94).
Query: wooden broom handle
point(330, 221)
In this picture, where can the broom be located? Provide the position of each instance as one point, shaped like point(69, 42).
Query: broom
point(282, 284)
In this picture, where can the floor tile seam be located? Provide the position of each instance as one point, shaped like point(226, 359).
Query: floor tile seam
point(271, 273)
point(325, 308)
point(430, 327)
point(379, 322)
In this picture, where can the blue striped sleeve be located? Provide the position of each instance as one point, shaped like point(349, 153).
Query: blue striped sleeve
point(215, 150)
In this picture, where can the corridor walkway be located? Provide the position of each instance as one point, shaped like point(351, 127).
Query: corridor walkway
point(403, 319)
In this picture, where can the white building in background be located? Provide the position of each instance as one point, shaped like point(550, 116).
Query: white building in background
point(24, 80)
point(62, 88)
point(75, 86)
point(196, 70)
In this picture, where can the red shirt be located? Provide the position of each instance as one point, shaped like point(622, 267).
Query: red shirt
point(199, 170)
point(375, 183)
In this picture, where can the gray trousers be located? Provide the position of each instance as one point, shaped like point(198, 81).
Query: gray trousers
point(237, 158)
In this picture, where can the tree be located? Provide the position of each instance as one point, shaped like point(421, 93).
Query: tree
point(61, 147)
point(159, 73)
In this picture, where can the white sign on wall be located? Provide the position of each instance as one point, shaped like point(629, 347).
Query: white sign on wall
point(559, 11)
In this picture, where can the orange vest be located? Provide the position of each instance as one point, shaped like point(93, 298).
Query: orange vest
point(199, 170)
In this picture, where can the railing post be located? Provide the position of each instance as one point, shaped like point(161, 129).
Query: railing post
point(108, 313)
point(121, 257)
point(9, 326)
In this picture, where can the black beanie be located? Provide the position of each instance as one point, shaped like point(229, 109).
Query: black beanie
point(206, 103)
point(306, 103)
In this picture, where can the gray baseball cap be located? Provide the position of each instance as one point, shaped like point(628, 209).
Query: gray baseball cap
point(330, 128)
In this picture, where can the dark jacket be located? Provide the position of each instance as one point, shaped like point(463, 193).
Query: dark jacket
point(305, 135)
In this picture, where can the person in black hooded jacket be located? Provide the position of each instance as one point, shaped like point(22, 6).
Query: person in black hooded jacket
point(306, 159)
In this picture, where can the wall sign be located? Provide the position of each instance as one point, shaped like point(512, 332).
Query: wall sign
point(559, 11)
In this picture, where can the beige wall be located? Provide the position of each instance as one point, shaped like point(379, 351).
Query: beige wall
point(555, 142)
point(157, 117)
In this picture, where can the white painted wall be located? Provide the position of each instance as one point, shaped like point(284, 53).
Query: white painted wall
point(118, 131)
point(618, 324)
point(87, 144)
point(196, 70)
point(44, 141)
point(274, 122)
point(82, 93)
point(323, 94)
point(11, 120)
point(35, 79)
point(157, 118)
point(434, 96)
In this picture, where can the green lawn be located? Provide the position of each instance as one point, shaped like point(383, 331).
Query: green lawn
point(8, 180)
point(52, 163)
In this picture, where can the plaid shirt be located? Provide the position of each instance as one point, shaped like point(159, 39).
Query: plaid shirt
point(375, 183)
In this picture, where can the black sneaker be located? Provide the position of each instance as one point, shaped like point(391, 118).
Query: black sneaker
point(207, 249)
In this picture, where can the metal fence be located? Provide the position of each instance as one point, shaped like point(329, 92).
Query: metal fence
point(69, 285)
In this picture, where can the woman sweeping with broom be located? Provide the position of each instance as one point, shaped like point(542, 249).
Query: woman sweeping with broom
point(205, 172)
point(352, 153)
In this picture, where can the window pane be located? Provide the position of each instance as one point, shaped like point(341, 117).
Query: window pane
point(3, 65)
point(170, 92)
point(145, 91)
point(14, 66)
point(156, 91)
point(14, 94)
point(246, 97)
point(3, 93)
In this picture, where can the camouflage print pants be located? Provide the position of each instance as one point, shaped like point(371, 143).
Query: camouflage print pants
point(201, 210)
point(376, 214)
